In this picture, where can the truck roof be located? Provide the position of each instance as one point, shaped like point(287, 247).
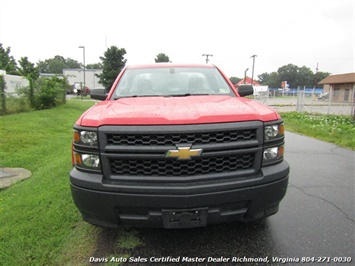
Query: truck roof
point(168, 65)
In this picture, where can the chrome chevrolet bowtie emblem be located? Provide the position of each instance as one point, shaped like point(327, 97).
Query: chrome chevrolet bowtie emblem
point(183, 153)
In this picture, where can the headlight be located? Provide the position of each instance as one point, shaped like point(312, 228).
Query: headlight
point(272, 132)
point(270, 153)
point(273, 155)
point(85, 137)
point(85, 150)
point(91, 161)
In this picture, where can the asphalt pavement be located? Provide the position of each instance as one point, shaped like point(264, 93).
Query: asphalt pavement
point(315, 223)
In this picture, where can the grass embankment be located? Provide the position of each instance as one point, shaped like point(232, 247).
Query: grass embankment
point(39, 224)
point(336, 129)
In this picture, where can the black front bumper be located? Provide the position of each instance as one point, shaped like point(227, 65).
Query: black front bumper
point(183, 206)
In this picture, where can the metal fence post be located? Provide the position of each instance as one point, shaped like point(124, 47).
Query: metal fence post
point(312, 99)
point(3, 109)
point(353, 104)
point(299, 100)
point(330, 98)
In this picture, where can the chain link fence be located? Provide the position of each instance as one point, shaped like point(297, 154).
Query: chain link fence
point(3, 109)
point(301, 101)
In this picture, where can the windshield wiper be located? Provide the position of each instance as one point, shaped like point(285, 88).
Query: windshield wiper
point(135, 96)
point(186, 94)
point(172, 95)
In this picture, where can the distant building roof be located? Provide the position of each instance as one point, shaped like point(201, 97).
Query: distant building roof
point(247, 81)
point(338, 79)
point(50, 75)
point(81, 69)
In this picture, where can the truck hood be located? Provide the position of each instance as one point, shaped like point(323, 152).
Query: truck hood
point(176, 110)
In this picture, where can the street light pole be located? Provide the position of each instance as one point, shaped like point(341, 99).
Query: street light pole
point(252, 73)
point(83, 47)
point(245, 75)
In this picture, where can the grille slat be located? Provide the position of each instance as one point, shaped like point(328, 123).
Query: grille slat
point(190, 138)
point(170, 167)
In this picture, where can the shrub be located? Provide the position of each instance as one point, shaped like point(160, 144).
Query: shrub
point(47, 92)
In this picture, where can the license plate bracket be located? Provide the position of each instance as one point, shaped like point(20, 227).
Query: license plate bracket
point(187, 218)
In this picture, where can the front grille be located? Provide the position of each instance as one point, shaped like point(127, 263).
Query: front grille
point(233, 149)
point(173, 139)
point(171, 167)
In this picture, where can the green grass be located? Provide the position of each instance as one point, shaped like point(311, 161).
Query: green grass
point(129, 240)
point(39, 224)
point(16, 105)
point(331, 128)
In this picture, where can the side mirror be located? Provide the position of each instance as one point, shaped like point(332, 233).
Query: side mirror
point(245, 90)
point(98, 94)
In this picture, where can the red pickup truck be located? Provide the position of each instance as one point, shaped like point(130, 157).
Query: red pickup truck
point(177, 146)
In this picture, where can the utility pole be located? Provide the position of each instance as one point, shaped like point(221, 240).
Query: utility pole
point(252, 73)
point(315, 77)
point(314, 87)
point(207, 55)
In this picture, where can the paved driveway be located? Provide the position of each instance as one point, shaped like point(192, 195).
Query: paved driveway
point(316, 218)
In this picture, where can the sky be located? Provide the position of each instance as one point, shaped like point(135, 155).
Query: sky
point(280, 32)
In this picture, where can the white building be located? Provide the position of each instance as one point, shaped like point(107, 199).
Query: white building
point(75, 76)
point(13, 83)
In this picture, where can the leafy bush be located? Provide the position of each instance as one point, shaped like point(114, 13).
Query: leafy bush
point(48, 92)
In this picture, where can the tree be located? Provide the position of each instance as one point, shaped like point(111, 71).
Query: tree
point(162, 58)
point(305, 77)
point(319, 76)
point(51, 66)
point(269, 79)
point(71, 63)
point(30, 72)
point(289, 73)
point(234, 80)
point(264, 78)
point(296, 76)
point(7, 61)
point(27, 69)
point(94, 66)
point(56, 64)
point(112, 63)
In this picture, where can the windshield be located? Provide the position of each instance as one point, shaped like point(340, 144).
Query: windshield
point(175, 81)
